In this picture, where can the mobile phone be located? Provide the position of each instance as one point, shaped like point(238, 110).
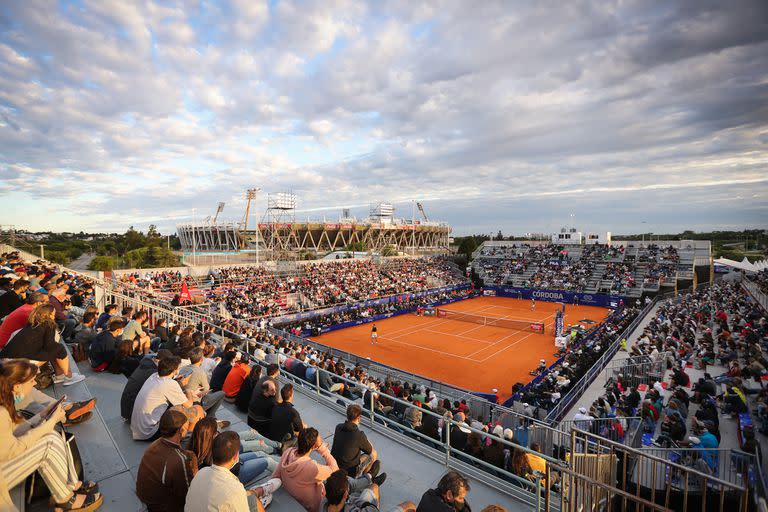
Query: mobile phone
point(54, 407)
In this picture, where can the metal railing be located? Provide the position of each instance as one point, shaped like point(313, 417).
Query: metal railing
point(581, 386)
point(636, 370)
point(754, 290)
point(656, 479)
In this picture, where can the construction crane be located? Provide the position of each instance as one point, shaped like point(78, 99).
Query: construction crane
point(219, 209)
point(421, 210)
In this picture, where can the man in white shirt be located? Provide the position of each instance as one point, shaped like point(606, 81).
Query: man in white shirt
point(160, 390)
point(582, 420)
point(216, 488)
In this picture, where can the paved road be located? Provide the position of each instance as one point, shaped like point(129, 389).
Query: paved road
point(82, 262)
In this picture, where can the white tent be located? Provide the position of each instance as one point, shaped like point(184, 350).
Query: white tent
point(741, 265)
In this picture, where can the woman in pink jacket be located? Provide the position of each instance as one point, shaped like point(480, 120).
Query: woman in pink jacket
point(302, 477)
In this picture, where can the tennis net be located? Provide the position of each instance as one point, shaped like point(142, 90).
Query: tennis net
point(506, 323)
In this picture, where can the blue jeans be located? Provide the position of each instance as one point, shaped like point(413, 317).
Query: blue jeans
point(252, 467)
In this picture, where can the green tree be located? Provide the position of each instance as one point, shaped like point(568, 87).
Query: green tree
point(467, 246)
point(103, 263)
point(133, 239)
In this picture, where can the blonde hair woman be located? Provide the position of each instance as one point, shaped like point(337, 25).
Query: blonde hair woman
point(39, 341)
point(34, 445)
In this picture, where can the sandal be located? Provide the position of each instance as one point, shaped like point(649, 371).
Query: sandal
point(87, 487)
point(91, 502)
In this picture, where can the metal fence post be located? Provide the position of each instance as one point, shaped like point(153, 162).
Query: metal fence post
point(447, 427)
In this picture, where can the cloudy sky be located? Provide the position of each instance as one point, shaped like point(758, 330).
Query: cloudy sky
point(634, 115)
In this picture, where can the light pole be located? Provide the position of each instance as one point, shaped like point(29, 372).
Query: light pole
point(194, 243)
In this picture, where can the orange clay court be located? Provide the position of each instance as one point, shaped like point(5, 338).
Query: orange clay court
point(466, 355)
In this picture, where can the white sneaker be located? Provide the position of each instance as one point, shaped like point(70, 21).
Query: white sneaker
point(266, 499)
point(58, 379)
point(272, 485)
point(74, 379)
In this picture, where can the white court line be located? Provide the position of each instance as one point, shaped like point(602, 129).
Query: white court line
point(513, 344)
point(434, 321)
point(510, 345)
point(458, 336)
point(451, 354)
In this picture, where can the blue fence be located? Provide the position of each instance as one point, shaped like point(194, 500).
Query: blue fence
point(585, 299)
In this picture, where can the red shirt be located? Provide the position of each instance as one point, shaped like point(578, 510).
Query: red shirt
point(13, 322)
point(235, 378)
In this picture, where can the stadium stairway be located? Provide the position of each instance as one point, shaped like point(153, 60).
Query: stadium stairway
point(111, 457)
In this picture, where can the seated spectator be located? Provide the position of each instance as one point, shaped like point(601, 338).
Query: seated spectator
point(216, 488)
point(166, 469)
point(286, 422)
point(110, 310)
point(209, 362)
point(352, 450)
point(147, 367)
point(87, 332)
point(248, 468)
point(260, 408)
point(474, 446)
point(38, 341)
point(134, 331)
point(161, 329)
point(494, 453)
point(15, 298)
point(449, 496)
point(20, 316)
point(341, 494)
point(104, 347)
point(33, 445)
point(237, 374)
point(519, 464)
point(197, 383)
point(161, 391)
point(246, 390)
point(222, 369)
point(430, 423)
point(459, 432)
point(125, 362)
point(301, 475)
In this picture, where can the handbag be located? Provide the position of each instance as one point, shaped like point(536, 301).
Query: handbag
point(44, 377)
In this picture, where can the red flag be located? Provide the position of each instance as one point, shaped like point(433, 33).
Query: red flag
point(185, 295)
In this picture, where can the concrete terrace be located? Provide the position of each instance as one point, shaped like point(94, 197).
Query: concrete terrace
point(111, 457)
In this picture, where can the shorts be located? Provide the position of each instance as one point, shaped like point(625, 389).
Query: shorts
point(374, 335)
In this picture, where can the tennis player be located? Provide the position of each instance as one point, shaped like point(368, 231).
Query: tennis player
point(533, 304)
point(374, 334)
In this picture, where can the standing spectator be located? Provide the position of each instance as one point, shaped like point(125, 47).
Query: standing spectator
point(39, 341)
point(449, 496)
point(286, 421)
point(352, 450)
point(158, 393)
point(166, 469)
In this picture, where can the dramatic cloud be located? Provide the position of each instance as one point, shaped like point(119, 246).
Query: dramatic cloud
point(497, 115)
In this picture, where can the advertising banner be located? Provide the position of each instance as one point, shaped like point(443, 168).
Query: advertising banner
point(584, 299)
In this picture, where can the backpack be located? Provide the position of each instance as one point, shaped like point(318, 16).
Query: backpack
point(44, 377)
